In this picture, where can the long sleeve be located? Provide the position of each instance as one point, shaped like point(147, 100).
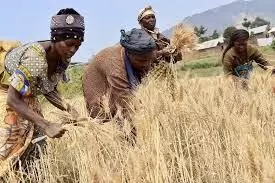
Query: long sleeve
point(54, 98)
point(227, 65)
point(164, 39)
point(163, 43)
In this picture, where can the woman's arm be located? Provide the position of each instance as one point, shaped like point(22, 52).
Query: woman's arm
point(228, 65)
point(16, 102)
point(260, 59)
point(54, 98)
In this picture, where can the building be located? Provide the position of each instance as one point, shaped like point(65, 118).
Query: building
point(215, 45)
point(259, 32)
point(265, 41)
point(272, 32)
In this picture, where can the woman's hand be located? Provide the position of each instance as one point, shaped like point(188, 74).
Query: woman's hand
point(54, 130)
point(167, 51)
point(72, 111)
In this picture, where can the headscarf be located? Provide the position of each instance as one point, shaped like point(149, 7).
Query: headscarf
point(67, 26)
point(137, 41)
point(144, 12)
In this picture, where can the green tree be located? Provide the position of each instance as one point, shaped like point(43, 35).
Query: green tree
point(199, 31)
point(246, 23)
point(228, 32)
point(259, 22)
point(215, 35)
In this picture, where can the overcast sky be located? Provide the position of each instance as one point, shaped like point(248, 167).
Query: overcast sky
point(29, 20)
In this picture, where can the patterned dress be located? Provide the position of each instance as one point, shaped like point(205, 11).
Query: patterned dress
point(28, 70)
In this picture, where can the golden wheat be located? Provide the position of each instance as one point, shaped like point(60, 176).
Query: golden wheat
point(183, 38)
point(212, 132)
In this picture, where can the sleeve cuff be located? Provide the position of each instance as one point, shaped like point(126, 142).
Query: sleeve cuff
point(20, 81)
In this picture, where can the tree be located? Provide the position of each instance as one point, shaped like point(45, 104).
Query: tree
point(228, 32)
point(259, 22)
point(197, 32)
point(246, 23)
point(200, 31)
point(215, 35)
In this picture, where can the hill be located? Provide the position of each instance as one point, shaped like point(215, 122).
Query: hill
point(231, 14)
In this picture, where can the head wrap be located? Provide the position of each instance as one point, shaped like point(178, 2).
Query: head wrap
point(144, 12)
point(137, 41)
point(67, 26)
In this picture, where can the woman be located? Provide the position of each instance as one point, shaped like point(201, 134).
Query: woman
point(166, 53)
point(147, 21)
point(36, 68)
point(238, 56)
point(116, 72)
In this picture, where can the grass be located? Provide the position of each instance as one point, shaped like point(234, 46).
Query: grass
point(203, 72)
point(74, 87)
point(202, 67)
point(267, 50)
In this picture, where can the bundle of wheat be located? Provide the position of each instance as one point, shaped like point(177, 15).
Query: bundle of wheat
point(183, 38)
point(161, 70)
point(165, 72)
point(7, 45)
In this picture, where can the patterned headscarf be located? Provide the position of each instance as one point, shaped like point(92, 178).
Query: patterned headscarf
point(144, 12)
point(67, 26)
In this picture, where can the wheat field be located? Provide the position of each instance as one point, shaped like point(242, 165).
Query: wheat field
point(209, 131)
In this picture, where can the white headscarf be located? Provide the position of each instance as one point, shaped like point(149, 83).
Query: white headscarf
point(144, 12)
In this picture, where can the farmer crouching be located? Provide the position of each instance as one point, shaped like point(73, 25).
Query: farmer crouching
point(239, 55)
point(115, 73)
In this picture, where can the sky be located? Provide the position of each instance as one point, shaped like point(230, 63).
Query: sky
point(29, 20)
